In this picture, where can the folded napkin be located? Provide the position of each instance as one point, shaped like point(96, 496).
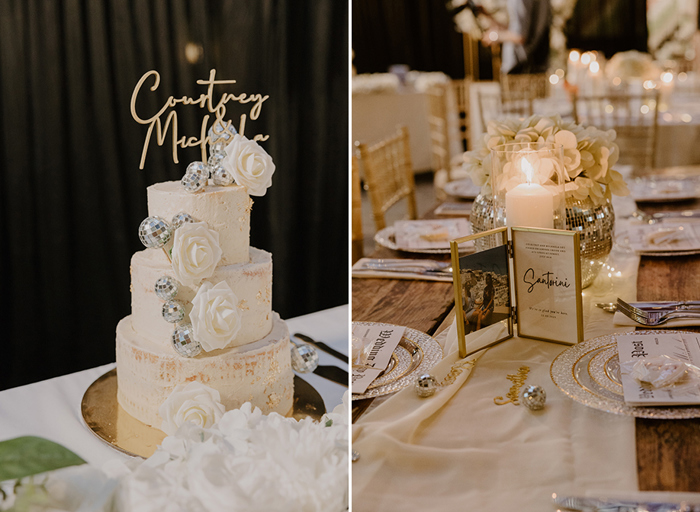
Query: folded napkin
point(622, 320)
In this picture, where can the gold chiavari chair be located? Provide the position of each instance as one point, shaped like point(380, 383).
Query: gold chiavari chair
point(389, 175)
point(442, 107)
point(461, 92)
point(439, 136)
point(357, 237)
point(495, 105)
point(531, 85)
point(632, 116)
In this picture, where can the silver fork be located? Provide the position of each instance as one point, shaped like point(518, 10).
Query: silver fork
point(653, 318)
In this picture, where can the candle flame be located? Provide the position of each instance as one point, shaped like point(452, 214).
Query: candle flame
point(527, 168)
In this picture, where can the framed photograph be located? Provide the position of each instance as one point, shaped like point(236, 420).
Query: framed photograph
point(547, 270)
point(482, 294)
point(540, 289)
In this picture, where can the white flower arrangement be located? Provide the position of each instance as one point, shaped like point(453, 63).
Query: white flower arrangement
point(215, 317)
point(245, 462)
point(589, 155)
point(249, 164)
point(195, 253)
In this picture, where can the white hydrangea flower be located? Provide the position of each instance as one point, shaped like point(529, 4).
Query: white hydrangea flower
point(589, 154)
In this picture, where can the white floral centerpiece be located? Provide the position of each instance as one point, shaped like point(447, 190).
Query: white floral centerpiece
point(589, 155)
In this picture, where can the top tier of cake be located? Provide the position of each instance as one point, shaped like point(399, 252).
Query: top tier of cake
point(226, 210)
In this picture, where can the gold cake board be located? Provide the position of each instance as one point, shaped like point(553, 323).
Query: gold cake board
point(113, 425)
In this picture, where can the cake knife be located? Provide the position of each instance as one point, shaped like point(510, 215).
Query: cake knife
point(322, 346)
point(330, 372)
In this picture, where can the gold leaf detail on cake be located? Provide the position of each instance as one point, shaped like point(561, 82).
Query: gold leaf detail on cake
point(243, 305)
point(273, 373)
point(249, 208)
point(273, 400)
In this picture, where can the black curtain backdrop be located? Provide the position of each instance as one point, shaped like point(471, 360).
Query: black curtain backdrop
point(420, 33)
point(609, 26)
point(71, 193)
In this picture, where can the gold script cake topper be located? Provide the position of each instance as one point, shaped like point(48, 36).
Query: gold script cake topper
point(205, 100)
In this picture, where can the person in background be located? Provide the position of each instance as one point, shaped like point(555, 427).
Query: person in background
point(526, 40)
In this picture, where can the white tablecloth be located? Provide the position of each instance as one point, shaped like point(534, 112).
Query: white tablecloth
point(458, 450)
point(51, 408)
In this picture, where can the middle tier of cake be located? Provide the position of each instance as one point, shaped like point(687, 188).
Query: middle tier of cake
point(251, 283)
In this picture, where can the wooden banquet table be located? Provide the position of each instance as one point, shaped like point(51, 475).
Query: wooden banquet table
point(667, 451)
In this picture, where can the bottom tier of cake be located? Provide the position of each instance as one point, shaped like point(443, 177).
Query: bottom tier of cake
point(258, 372)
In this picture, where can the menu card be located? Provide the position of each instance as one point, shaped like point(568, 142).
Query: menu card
point(382, 340)
point(430, 234)
point(683, 346)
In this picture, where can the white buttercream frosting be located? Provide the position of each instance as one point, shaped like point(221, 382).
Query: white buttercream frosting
point(226, 210)
point(259, 372)
point(251, 282)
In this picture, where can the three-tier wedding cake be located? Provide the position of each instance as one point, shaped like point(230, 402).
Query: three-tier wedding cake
point(201, 305)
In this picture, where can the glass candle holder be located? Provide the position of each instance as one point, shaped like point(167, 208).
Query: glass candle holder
point(527, 182)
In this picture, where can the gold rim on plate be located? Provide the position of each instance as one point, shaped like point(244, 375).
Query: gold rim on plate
point(589, 373)
point(105, 418)
point(415, 355)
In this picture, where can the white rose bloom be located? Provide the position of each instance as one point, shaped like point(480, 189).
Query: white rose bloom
point(196, 253)
point(215, 317)
point(192, 402)
point(249, 165)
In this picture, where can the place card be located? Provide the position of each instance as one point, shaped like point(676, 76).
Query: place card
point(532, 280)
point(680, 346)
point(430, 234)
point(381, 340)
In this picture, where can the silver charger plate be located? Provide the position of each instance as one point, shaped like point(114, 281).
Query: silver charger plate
point(465, 188)
point(387, 238)
point(589, 373)
point(415, 355)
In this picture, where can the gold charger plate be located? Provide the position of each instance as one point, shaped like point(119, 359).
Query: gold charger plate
point(113, 425)
point(415, 355)
point(589, 373)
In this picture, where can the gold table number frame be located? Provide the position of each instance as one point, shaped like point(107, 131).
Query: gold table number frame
point(532, 278)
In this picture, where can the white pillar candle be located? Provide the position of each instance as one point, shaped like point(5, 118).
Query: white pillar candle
point(529, 204)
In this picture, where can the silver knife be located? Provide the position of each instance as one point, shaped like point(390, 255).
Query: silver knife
point(407, 270)
point(610, 505)
point(687, 214)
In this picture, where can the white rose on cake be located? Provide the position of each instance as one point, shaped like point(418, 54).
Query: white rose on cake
point(249, 164)
point(196, 253)
point(215, 317)
point(192, 402)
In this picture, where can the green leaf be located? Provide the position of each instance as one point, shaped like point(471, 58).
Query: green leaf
point(28, 455)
